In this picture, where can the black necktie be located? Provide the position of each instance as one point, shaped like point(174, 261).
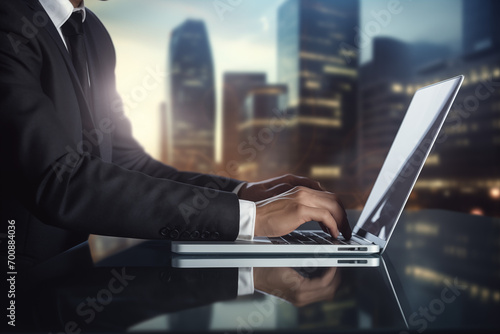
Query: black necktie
point(72, 31)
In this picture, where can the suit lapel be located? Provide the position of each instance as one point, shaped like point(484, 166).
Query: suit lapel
point(85, 109)
point(99, 98)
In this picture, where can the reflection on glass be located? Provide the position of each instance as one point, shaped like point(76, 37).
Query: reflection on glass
point(299, 286)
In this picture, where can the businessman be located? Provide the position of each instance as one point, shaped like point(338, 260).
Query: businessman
point(71, 167)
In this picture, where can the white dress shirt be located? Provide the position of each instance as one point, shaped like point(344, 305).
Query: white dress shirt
point(59, 12)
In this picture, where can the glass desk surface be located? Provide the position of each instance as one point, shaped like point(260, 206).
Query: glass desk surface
point(440, 273)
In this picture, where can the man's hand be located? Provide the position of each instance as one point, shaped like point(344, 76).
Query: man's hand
point(300, 291)
point(281, 214)
point(258, 191)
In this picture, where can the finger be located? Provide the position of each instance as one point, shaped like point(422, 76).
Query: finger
point(329, 202)
point(345, 228)
point(324, 228)
point(339, 213)
point(308, 213)
point(328, 277)
point(317, 289)
point(321, 200)
point(320, 282)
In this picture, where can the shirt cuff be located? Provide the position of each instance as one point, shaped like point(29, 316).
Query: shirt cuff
point(238, 187)
point(245, 281)
point(247, 220)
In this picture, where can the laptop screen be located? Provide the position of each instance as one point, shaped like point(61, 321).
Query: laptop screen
point(406, 157)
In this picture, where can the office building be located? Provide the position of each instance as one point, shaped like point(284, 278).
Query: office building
point(382, 106)
point(385, 92)
point(463, 170)
point(322, 89)
point(264, 133)
point(235, 89)
point(461, 173)
point(192, 97)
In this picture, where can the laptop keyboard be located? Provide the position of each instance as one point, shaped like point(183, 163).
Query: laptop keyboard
point(309, 238)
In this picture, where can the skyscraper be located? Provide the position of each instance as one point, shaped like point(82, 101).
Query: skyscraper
point(192, 97)
point(264, 143)
point(385, 91)
point(321, 84)
point(461, 173)
point(236, 87)
point(383, 103)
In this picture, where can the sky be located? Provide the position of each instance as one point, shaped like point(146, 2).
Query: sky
point(243, 38)
point(435, 21)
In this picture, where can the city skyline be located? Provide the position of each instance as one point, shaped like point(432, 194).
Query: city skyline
point(243, 41)
point(141, 35)
point(319, 54)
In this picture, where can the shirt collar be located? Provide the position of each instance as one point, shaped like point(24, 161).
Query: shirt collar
point(59, 11)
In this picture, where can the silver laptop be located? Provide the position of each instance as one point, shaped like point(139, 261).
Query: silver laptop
point(225, 261)
point(410, 148)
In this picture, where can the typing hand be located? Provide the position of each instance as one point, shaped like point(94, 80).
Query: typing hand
point(283, 213)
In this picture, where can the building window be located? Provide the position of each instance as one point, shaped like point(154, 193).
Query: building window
point(326, 172)
point(310, 84)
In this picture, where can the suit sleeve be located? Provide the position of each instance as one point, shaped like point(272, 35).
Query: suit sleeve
point(80, 192)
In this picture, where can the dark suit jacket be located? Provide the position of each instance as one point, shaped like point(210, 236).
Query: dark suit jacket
point(60, 183)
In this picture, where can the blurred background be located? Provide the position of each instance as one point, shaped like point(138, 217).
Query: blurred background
point(255, 89)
